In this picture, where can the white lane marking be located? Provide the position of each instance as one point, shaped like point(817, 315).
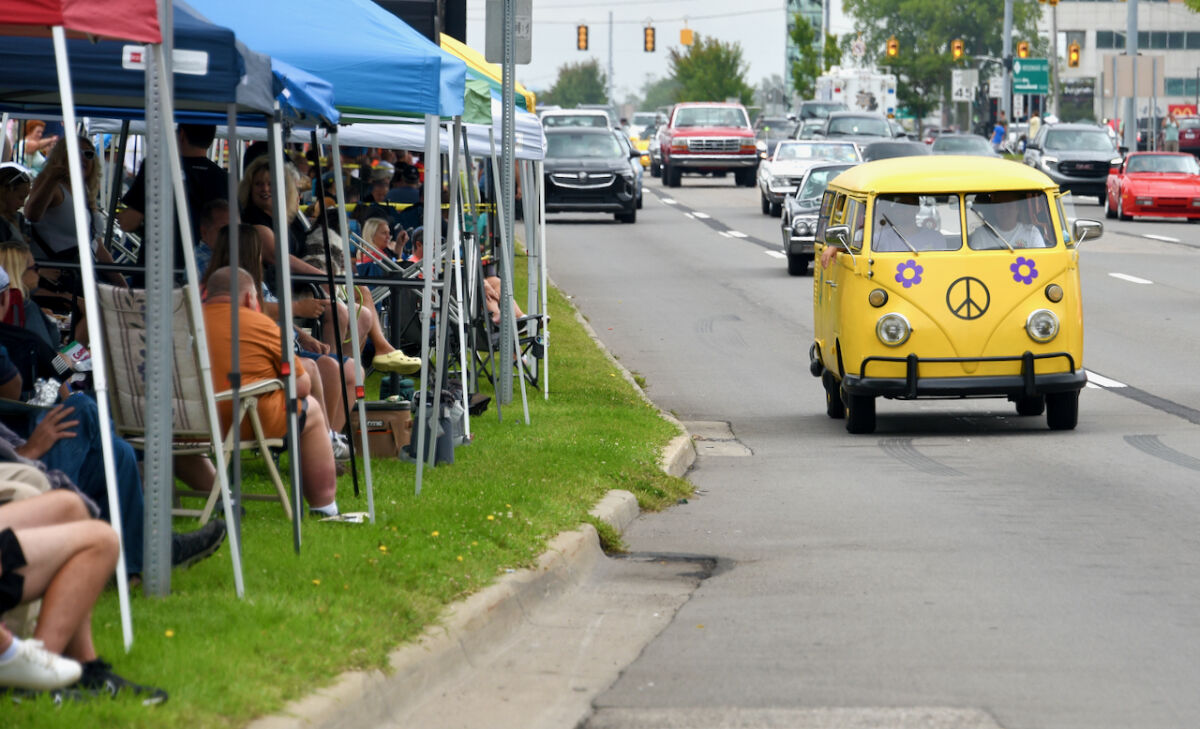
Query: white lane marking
point(724, 233)
point(1093, 386)
point(775, 254)
point(703, 216)
point(689, 215)
point(666, 201)
point(1130, 279)
point(1100, 381)
point(1163, 238)
point(737, 234)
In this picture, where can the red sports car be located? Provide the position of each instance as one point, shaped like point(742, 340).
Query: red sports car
point(1157, 184)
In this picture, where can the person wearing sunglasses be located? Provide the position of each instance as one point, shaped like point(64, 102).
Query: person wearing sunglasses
point(51, 211)
point(14, 188)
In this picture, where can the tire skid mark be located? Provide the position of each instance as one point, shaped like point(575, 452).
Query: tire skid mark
point(1152, 446)
point(903, 450)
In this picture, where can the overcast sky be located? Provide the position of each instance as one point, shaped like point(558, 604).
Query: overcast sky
point(758, 25)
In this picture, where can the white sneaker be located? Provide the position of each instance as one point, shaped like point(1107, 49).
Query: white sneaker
point(36, 668)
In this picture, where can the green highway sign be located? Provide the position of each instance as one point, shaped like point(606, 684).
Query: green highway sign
point(1031, 76)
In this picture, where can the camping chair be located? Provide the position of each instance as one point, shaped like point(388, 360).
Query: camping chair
point(124, 321)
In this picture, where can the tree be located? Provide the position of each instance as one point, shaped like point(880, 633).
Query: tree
point(924, 31)
point(659, 92)
point(833, 53)
point(578, 83)
point(711, 70)
point(806, 68)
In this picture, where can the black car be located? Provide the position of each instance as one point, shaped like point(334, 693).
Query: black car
point(770, 131)
point(893, 148)
point(587, 170)
point(1075, 156)
point(799, 224)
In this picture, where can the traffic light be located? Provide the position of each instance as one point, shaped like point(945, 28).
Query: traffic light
point(956, 48)
point(686, 37)
point(1023, 49)
point(581, 37)
point(1073, 55)
point(648, 39)
point(1052, 2)
point(893, 47)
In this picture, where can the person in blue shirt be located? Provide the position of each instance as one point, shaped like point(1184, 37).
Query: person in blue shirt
point(999, 131)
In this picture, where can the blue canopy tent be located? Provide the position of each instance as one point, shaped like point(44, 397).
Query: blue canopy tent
point(381, 69)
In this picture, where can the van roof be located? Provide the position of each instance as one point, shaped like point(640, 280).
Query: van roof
point(941, 174)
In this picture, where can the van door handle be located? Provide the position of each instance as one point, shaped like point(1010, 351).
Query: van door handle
point(831, 283)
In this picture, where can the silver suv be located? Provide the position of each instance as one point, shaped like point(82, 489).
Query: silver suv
point(1075, 156)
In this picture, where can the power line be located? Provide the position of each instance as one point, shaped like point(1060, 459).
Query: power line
point(680, 19)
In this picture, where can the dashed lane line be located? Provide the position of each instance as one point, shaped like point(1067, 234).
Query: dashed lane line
point(702, 216)
point(775, 254)
point(1102, 381)
point(1163, 238)
point(1130, 279)
point(737, 234)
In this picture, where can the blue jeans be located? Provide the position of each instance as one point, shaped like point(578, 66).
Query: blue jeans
point(83, 461)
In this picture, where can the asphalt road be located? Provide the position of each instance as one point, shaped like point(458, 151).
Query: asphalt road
point(963, 566)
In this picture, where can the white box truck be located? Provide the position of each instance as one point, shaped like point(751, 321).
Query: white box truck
point(860, 89)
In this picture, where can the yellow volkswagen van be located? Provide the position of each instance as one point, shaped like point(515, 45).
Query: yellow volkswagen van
point(953, 277)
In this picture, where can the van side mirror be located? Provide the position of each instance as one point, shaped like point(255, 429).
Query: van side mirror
point(1083, 229)
point(838, 235)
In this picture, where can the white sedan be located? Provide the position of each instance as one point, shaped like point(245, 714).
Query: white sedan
point(779, 176)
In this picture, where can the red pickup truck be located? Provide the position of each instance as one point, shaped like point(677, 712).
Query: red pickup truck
point(708, 137)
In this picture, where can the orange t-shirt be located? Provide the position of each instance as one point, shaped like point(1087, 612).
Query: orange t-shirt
point(260, 358)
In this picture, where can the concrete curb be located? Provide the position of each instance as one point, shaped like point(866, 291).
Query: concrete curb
point(481, 621)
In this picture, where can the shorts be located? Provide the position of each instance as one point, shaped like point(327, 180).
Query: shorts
point(12, 558)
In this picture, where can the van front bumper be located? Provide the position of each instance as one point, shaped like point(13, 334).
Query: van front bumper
point(911, 386)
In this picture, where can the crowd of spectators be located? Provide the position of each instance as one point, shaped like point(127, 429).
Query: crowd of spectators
point(55, 542)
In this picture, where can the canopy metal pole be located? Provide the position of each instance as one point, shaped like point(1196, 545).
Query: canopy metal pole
point(432, 232)
point(457, 240)
point(111, 206)
point(235, 342)
point(95, 329)
point(545, 279)
point(510, 345)
point(347, 262)
point(471, 254)
point(283, 278)
point(351, 318)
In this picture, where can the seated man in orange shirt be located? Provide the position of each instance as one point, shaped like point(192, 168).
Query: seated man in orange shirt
point(261, 358)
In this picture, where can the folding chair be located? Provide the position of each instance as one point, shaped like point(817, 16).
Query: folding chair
point(124, 320)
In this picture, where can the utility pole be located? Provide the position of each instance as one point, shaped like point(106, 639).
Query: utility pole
point(1006, 59)
point(1131, 48)
point(611, 100)
point(1053, 59)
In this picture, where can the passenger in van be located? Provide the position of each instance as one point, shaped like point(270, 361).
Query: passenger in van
point(1006, 217)
point(897, 229)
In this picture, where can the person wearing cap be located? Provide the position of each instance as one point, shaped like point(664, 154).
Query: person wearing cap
point(15, 182)
point(406, 186)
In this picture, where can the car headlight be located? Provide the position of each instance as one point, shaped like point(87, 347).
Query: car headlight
point(774, 181)
point(893, 329)
point(1115, 161)
point(1042, 325)
point(801, 227)
point(1049, 160)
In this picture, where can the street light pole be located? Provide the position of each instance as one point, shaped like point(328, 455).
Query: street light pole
point(1131, 49)
point(1006, 55)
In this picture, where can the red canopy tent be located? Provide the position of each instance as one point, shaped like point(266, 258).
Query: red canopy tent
point(134, 20)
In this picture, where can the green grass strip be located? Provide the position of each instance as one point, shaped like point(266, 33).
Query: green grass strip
point(358, 591)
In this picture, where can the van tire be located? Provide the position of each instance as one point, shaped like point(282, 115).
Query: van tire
point(833, 396)
point(1035, 405)
point(860, 413)
point(1062, 410)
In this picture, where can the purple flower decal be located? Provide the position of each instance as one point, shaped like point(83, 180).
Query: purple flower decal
point(909, 273)
point(1024, 270)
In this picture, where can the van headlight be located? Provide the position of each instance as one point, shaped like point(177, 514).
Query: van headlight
point(1042, 325)
point(892, 329)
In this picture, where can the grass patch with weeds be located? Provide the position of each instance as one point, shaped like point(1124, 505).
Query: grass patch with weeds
point(358, 591)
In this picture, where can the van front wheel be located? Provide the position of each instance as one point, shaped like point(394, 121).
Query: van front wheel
point(860, 413)
point(1062, 410)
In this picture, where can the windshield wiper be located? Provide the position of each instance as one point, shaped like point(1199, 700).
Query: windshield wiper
point(896, 230)
point(991, 228)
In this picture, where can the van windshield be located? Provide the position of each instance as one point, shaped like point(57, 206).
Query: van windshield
point(916, 223)
point(1016, 219)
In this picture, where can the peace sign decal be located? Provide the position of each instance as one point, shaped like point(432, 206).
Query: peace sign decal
point(968, 298)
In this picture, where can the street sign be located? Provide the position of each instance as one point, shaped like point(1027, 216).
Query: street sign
point(964, 84)
point(493, 49)
point(1031, 76)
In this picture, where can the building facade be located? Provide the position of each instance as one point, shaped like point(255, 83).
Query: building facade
point(1166, 28)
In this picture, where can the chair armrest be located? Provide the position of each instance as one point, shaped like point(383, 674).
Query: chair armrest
point(252, 389)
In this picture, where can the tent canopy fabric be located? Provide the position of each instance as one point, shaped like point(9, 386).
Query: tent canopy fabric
point(129, 19)
point(479, 67)
point(303, 95)
point(378, 65)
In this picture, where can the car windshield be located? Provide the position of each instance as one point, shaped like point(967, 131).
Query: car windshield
point(864, 125)
point(575, 146)
point(774, 129)
point(1078, 140)
point(1000, 220)
point(816, 150)
point(1184, 163)
point(711, 116)
point(575, 120)
point(816, 181)
point(916, 223)
point(962, 145)
point(820, 111)
point(887, 150)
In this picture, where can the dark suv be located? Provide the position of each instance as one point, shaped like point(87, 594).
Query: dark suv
point(1075, 156)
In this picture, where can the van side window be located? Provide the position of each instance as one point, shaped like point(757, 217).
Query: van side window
point(856, 218)
point(826, 210)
